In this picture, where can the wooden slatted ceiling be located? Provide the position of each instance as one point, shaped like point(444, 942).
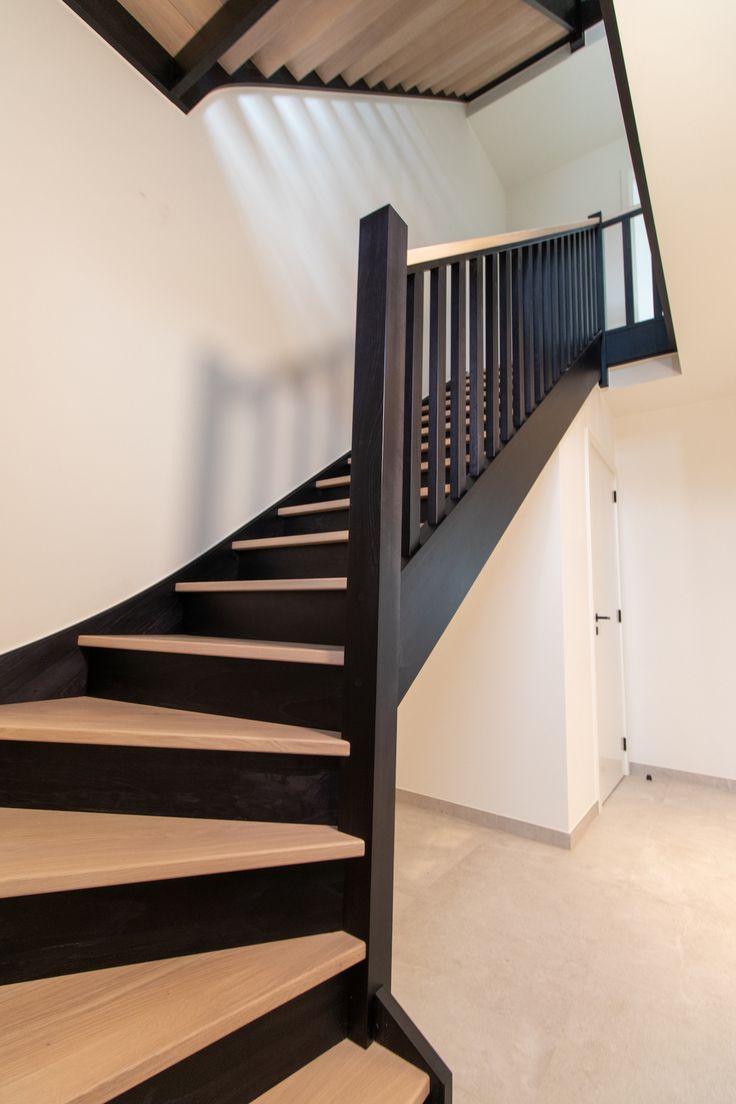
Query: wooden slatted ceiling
point(451, 46)
point(173, 23)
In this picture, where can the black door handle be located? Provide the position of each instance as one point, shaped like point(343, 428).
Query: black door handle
point(601, 617)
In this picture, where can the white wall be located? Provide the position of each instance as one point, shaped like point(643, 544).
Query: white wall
point(483, 724)
point(502, 715)
point(598, 180)
point(179, 295)
point(677, 513)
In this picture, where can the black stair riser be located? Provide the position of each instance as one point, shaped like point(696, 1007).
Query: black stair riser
point(322, 521)
point(243, 1065)
point(303, 616)
point(290, 693)
point(229, 785)
point(47, 934)
point(295, 562)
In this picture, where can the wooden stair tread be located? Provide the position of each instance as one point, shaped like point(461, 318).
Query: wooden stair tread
point(317, 507)
point(47, 850)
point(221, 646)
point(349, 1073)
point(99, 721)
point(314, 507)
point(245, 586)
point(85, 1038)
point(295, 541)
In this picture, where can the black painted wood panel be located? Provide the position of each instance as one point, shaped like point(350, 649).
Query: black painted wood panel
point(228, 785)
point(292, 693)
point(62, 933)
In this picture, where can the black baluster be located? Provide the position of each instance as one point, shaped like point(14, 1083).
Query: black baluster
point(549, 329)
point(556, 313)
point(601, 300)
point(411, 511)
point(437, 393)
point(517, 314)
point(628, 272)
point(506, 328)
point(458, 380)
point(477, 389)
point(527, 306)
point(493, 411)
point(540, 332)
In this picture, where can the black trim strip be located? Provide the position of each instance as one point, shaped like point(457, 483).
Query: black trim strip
point(632, 133)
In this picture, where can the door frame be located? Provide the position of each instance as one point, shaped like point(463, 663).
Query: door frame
point(593, 444)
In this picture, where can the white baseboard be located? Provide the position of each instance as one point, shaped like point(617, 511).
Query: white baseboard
point(537, 832)
point(641, 770)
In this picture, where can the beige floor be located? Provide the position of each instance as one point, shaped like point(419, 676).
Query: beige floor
point(606, 974)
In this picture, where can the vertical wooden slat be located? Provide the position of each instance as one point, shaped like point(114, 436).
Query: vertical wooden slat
point(575, 288)
point(592, 282)
point(458, 378)
point(493, 405)
point(505, 333)
point(367, 798)
point(548, 310)
point(628, 273)
point(437, 393)
point(564, 327)
point(475, 321)
point(527, 306)
point(540, 331)
point(411, 510)
point(556, 313)
point(601, 301)
point(517, 314)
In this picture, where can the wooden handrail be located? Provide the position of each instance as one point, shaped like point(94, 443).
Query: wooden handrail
point(427, 255)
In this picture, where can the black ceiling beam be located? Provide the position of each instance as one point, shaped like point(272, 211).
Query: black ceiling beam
point(126, 35)
point(220, 32)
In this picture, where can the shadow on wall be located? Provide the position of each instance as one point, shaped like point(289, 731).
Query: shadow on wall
point(253, 434)
point(300, 171)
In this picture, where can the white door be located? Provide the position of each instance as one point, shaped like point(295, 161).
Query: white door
point(606, 601)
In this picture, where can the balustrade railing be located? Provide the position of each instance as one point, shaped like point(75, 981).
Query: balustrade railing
point(505, 318)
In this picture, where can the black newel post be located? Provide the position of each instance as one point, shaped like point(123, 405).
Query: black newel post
point(372, 625)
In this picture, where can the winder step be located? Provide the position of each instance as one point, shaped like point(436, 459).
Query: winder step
point(347, 1072)
point(221, 646)
point(245, 586)
point(314, 507)
point(47, 851)
point(86, 1038)
point(99, 721)
point(296, 541)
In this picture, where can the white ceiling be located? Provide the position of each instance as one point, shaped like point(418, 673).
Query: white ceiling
point(556, 116)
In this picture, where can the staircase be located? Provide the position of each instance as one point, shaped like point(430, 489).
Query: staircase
point(196, 857)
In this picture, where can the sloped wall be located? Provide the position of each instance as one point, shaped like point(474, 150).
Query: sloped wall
point(179, 295)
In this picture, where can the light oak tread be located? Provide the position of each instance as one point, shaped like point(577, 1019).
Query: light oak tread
point(329, 504)
point(48, 850)
point(246, 586)
point(85, 1038)
point(349, 1073)
point(99, 721)
point(298, 540)
point(222, 647)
